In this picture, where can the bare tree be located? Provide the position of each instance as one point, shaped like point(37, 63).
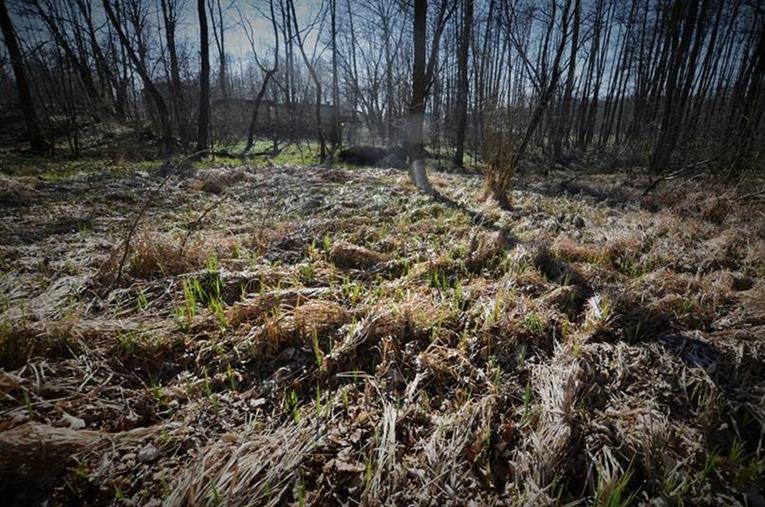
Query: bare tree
point(640, 80)
point(335, 138)
point(415, 139)
point(268, 74)
point(137, 57)
point(204, 80)
point(54, 21)
point(422, 80)
point(314, 77)
point(462, 90)
point(683, 57)
point(219, 34)
point(498, 179)
point(170, 11)
point(561, 130)
point(26, 103)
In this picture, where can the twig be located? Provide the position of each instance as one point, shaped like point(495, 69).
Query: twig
point(670, 176)
point(563, 184)
point(683, 170)
point(759, 193)
point(133, 227)
point(141, 212)
point(193, 225)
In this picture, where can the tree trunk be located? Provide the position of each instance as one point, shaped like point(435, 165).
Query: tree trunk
point(680, 59)
point(417, 107)
point(335, 87)
point(222, 54)
point(77, 60)
point(36, 140)
point(220, 43)
point(389, 95)
point(156, 96)
point(562, 130)
point(749, 123)
point(269, 73)
point(316, 82)
point(204, 80)
point(498, 182)
point(170, 17)
point(462, 90)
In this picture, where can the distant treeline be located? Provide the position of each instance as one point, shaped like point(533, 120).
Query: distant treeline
point(663, 84)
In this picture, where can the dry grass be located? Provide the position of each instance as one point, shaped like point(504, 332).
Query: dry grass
point(247, 469)
point(570, 250)
point(32, 454)
point(216, 180)
point(330, 337)
point(155, 255)
point(346, 255)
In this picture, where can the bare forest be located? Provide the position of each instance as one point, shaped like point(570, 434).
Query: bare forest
point(382, 252)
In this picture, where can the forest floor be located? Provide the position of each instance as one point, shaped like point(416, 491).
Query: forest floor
point(320, 335)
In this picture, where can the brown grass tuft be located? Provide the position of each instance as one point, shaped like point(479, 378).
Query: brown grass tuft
point(716, 209)
point(569, 250)
point(295, 328)
point(20, 342)
point(317, 317)
point(253, 310)
point(45, 450)
point(347, 255)
point(154, 255)
point(258, 468)
point(157, 254)
point(216, 180)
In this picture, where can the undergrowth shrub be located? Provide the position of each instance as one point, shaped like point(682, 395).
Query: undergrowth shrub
point(498, 150)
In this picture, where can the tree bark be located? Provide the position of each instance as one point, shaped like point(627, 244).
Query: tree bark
point(417, 107)
point(26, 103)
point(462, 90)
point(204, 80)
point(269, 73)
point(170, 18)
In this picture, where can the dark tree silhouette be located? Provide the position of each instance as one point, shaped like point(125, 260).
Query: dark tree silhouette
point(203, 127)
point(415, 139)
point(26, 103)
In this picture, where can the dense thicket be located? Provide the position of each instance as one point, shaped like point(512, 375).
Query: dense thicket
point(668, 85)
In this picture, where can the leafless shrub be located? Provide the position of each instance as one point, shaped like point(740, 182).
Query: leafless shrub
point(498, 149)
